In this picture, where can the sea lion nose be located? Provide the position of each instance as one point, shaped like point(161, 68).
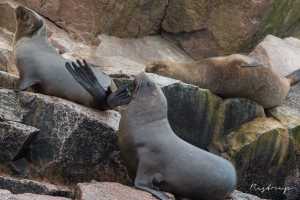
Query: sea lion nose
point(20, 11)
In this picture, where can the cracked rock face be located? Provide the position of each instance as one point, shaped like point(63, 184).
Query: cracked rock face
point(121, 18)
point(15, 139)
point(21, 186)
point(74, 144)
point(7, 195)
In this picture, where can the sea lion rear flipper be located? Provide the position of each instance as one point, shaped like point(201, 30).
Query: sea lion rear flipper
point(27, 83)
point(119, 97)
point(84, 75)
point(144, 181)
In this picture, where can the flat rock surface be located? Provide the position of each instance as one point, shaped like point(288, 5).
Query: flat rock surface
point(6, 195)
point(110, 191)
point(20, 186)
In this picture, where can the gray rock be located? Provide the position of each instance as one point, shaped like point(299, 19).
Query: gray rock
point(20, 186)
point(237, 195)
point(202, 118)
point(281, 55)
point(75, 143)
point(8, 81)
point(109, 191)
point(7, 195)
point(293, 188)
point(15, 139)
point(293, 99)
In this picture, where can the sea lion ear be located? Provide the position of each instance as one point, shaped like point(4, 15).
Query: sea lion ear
point(27, 83)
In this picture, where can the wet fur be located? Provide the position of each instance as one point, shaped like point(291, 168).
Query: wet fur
point(229, 76)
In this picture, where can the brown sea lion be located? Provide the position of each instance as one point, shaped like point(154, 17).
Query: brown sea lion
point(158, 159)
point(231, 76)
point(41, 67)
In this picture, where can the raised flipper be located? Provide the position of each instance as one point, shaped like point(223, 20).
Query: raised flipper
point(27, 83)
point(84, 75)
point(144, 181)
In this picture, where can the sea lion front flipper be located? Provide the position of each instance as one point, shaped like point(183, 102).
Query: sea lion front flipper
point(26, 83)
point(144, 181)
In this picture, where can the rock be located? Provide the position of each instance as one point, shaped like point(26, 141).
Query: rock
point(263, 155)
point(75, 143)
point(292, 185)
point(293, 98)
point(201, 118)
point(7, 195)
point(287, 117)
point(86, 19)
point(109, 191)
point(7, 16)
point(129, 56)
point(226, 27)
point(14, 140)
point(197, 44)
point(282, 55)
point(20, 186)
point(237, 195)
point(186, 15)
point(8, 81)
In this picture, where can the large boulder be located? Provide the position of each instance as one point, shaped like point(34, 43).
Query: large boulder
point(15, 139)
point(281, 55)
point(264, 156)
point(74, 144)
point(88, 18)
point(118, 56)
point(206, 28)
point(20, 186)
point(7, 195)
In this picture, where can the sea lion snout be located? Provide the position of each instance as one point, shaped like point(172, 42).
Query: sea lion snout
point(21, 12)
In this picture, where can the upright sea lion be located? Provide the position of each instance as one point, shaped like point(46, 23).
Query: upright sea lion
point(160, 160)
point(41, 66)
point(231, 76)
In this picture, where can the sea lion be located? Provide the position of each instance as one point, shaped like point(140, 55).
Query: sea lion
point(158, 159)
point(231, 76)
point(41, 67)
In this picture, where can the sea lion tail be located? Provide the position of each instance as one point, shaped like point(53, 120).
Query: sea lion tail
point(294, 77)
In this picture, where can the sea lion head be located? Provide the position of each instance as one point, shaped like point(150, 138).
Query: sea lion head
point(29, 23)
point(148, 101)
point(160, 67)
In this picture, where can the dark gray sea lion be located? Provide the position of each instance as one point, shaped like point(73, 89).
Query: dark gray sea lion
point(41, 67)
point(231, 76)
point(158, 159)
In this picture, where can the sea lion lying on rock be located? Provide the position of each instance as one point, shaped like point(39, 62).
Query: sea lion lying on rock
point(156, 156)
point(231, 76)
point(43, 68)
